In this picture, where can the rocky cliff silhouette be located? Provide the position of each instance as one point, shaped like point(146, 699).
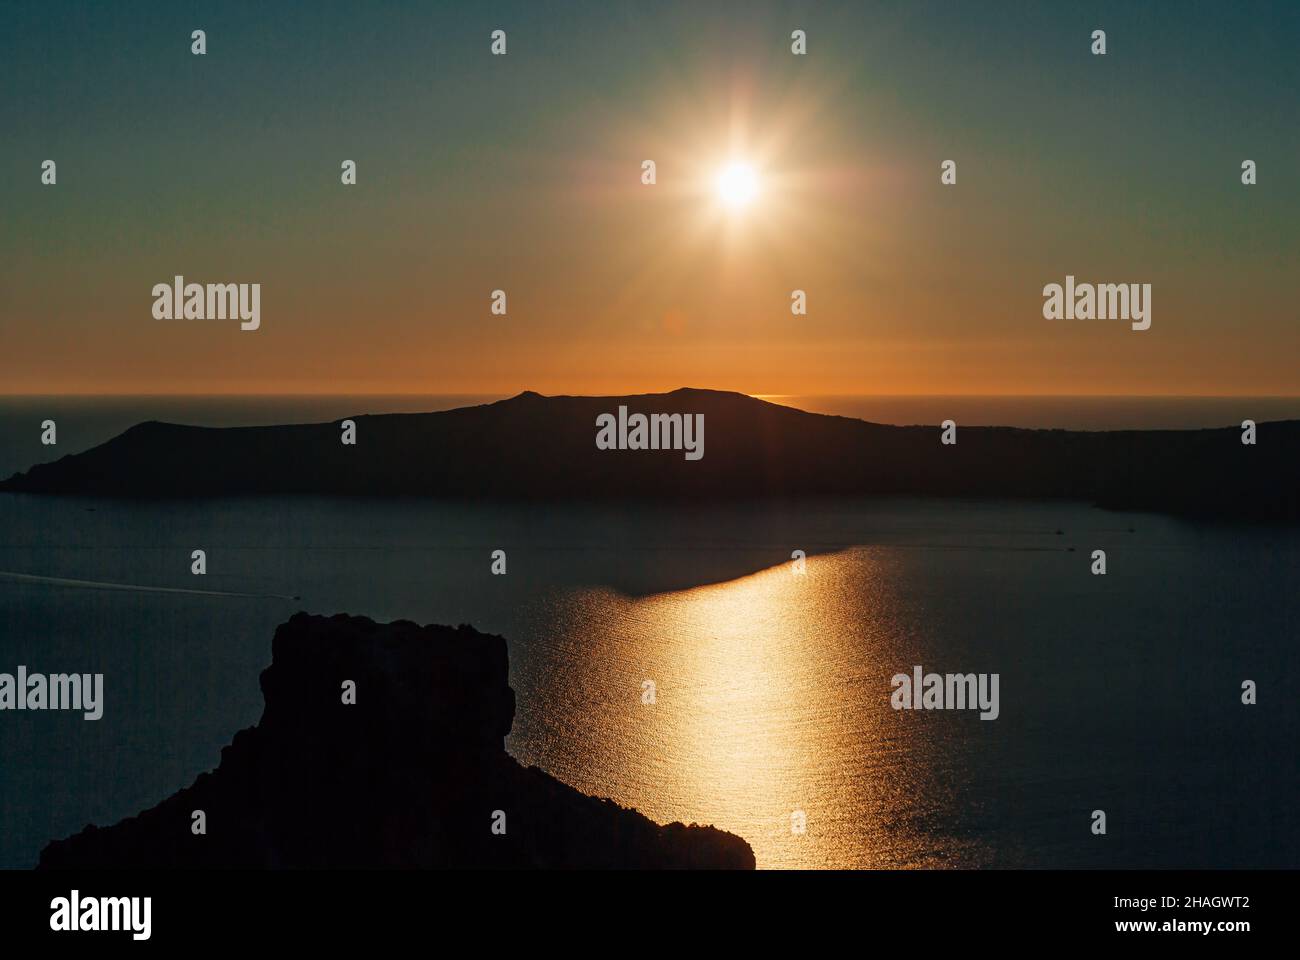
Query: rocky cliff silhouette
point(535, 447)
point(408, 776)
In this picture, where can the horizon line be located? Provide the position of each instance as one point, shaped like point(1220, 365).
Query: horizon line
point(756, 396)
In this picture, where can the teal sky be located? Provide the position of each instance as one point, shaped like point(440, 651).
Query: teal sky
point(521, 172)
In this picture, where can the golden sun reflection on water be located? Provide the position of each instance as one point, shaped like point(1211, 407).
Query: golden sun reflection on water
point(771, 696)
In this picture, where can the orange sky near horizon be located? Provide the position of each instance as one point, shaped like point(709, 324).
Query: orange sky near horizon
point(523, 173)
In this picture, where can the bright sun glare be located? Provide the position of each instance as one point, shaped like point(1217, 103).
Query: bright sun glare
point(737, 185)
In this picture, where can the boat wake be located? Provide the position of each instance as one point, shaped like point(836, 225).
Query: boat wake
point(134, 587)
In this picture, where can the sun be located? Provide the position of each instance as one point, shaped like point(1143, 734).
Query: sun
point(737, 185)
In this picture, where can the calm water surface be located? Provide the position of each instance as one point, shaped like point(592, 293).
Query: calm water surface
point(1118, 693)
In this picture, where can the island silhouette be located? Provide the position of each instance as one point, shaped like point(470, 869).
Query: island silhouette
point(532, 447)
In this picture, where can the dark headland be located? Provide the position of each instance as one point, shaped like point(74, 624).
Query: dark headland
point(536, 447)
point(410, 775)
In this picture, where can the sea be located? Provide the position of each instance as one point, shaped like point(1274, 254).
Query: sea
point(1119, 694)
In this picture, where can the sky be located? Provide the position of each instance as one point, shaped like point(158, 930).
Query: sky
point(523, 173)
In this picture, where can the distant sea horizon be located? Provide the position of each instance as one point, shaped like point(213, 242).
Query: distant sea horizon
point(87, 420)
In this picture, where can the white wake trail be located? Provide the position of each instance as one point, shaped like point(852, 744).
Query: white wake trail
point(134, 587)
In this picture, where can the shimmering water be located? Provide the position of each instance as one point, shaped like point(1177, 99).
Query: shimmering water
point(1119, 692)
